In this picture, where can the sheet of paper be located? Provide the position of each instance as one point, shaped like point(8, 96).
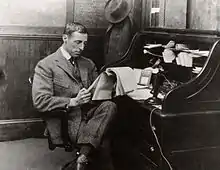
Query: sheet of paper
point(150, 46)
point(137, 73)
point(104, 87)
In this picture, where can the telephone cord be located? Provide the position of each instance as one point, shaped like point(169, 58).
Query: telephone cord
point(157, 141)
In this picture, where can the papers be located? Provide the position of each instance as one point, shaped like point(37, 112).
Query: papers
point(196, 53)
point(102, 87)
point(140, 94)
point(196, 70)
point(113, 82)
point(118, 81)
point(137, 74)
point(143, 94)
point(150, 46)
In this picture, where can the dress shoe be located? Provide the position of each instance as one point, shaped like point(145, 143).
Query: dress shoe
point(82, 162)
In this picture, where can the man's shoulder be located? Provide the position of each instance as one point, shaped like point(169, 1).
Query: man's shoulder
point(49, 59)
point(87, 60)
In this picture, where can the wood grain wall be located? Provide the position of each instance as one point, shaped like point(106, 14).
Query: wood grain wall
point(19, 56)
point(185, 14)
point(175, 14)
point(203, 14)
point(91, 13)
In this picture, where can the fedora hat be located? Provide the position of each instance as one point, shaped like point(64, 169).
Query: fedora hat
point(117, 10)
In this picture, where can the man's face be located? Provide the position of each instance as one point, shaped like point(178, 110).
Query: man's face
point(75, 43)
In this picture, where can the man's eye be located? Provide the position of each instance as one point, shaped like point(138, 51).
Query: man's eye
point(78, 42)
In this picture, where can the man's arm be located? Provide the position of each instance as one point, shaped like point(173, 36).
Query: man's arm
point(42, 90)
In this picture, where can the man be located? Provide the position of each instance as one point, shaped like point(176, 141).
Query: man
point(61, 81)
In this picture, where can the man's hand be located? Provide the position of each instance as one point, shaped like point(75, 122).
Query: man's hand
point(84, 96)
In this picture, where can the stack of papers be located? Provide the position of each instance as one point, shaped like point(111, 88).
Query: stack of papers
point(196, 53)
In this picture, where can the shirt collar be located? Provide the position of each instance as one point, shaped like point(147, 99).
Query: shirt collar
point(65, 53)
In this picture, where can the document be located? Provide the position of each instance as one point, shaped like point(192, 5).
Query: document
point(115, 81)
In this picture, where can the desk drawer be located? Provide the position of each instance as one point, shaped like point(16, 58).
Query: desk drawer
point(145, 133)
point(149, 153)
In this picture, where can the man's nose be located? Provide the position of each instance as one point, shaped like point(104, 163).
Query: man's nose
point(82, 46)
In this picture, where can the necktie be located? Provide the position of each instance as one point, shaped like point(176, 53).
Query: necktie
point(76, 71)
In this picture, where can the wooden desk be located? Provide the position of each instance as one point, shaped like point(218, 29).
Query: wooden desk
point(188, 140)
point(188, 124)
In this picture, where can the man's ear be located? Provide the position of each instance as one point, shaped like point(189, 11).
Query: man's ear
point(65, 38)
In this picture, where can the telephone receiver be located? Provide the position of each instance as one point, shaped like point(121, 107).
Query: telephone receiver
point(157, 80)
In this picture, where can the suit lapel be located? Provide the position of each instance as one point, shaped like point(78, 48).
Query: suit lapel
point(64, 64)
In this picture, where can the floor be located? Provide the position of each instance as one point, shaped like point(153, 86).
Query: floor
point(31, 154)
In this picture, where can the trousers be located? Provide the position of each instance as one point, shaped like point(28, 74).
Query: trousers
point(96, 120)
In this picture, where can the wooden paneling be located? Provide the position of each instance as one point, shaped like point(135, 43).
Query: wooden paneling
point(90, 13)
point(70, 6)
point(175, 13)
point(18, 59)
point(218, 16)
point(20, 129)
point(203, 14)
point(185, 14)
point(162, 13)
point(137, 12)
point(146, 8)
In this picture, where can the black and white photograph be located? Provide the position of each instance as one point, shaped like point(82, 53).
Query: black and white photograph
point(109, 85)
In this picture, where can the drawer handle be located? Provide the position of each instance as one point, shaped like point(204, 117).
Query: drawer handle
point(152, 149)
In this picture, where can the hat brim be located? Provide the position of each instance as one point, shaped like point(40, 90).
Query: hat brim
point(109, 18)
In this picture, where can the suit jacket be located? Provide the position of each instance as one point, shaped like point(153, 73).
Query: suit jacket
point(54, 85)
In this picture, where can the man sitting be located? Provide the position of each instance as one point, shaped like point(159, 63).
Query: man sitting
point(61, 81)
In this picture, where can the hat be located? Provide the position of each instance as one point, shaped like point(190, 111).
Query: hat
point(117, 10)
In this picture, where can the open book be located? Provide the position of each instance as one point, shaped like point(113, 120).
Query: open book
point(116, 81)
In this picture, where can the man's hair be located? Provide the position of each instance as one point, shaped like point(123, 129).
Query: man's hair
point(74, 27)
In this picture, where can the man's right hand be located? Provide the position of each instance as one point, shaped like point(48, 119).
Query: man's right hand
point(84, 96)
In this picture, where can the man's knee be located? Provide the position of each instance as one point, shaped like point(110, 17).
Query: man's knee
point(109, 106)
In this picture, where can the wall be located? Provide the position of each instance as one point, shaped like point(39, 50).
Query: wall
point(203, 14)
point(185, 14)
point(19, 55)
point(91, 13)
point(33, 17)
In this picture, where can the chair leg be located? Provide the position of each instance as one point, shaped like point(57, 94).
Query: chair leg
point(50, 144)
point(65, 135)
